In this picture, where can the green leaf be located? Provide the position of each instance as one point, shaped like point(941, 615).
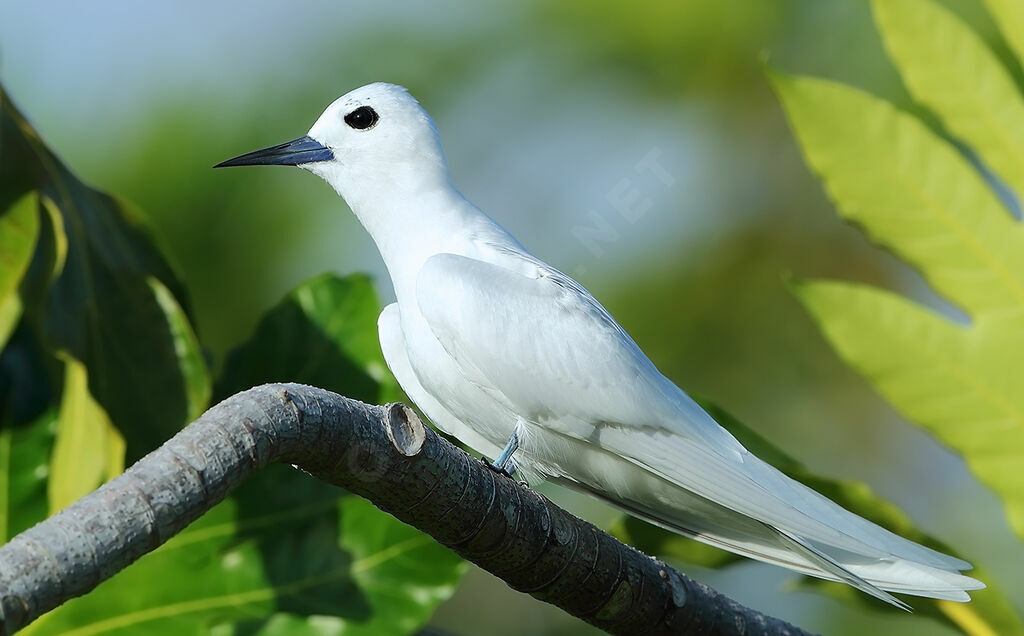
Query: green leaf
point(989, 609)
point(24, 467)
point(950, 69)
point(323, 333)
point(89, 451)
point(19, 229)
point(281, 553)
point(945, 377)
point(1009, 15)
point(87, 291)
point(391, 556)
point(911, 191)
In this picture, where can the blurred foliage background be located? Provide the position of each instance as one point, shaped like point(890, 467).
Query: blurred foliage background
point(545, 108)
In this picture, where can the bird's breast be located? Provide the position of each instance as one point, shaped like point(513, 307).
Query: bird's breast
point(465, 394)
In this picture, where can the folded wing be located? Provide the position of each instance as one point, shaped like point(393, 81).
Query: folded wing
point(549, 347)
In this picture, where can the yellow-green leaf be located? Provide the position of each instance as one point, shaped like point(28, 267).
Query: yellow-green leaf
point(1009, 15)
point(915, 194)
point(88, 450)
point(961, 383)
point(60, 237)
point(974, 623)
point(19, 229)
point(912, 192)
point(198, 385)
point(950, 69)
point(10, 312)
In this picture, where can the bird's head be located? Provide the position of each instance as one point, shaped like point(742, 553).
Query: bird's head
point(375, 136)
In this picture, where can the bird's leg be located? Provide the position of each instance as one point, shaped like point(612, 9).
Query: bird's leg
point(504, 460)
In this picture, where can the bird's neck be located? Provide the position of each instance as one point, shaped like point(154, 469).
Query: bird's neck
point(412, 222)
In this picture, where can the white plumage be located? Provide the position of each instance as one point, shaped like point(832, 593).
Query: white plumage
point(487, 339)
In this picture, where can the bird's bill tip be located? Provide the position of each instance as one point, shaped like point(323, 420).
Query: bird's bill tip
point(293, 153)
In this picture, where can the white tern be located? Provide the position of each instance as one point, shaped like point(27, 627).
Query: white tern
point(519, 361)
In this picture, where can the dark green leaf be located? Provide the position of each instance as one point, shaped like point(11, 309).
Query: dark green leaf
point(323, 333)
point(87, 289)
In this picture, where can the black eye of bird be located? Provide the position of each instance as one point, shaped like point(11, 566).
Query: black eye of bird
point(362, 118)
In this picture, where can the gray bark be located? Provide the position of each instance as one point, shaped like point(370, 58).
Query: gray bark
point(386, 455)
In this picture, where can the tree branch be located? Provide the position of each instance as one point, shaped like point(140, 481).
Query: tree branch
point(386, 455)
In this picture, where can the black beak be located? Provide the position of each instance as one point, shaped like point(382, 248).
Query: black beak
point(293, 153)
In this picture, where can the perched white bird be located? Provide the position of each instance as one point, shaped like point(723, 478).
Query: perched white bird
point(503, 351)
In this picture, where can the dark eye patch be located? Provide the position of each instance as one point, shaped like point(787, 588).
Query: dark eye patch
point(362, 118)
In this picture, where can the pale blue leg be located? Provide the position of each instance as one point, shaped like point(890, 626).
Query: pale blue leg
point(505, 458)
